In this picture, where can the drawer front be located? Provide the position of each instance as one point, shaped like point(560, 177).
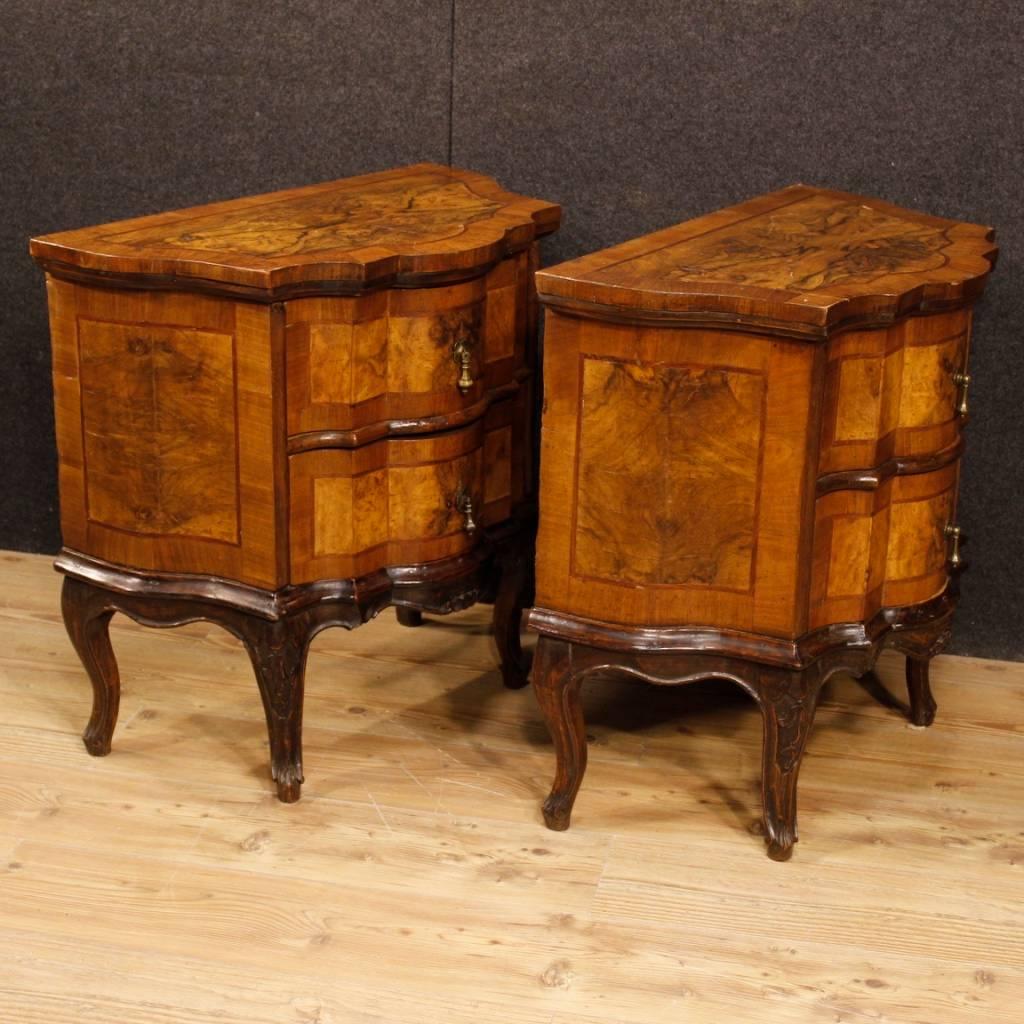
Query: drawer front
point(883, 548)
point(896, 393)
point(673, 476)
point(403, 501)
point(166, 413)
point(406, 353)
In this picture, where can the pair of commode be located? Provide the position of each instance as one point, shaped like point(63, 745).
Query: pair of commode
point(289, 411)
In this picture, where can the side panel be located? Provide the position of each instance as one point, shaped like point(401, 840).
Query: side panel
point(674, 474)
point(168, 450)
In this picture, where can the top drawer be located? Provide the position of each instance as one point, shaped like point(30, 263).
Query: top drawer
point(895, 393)
point(358, 364)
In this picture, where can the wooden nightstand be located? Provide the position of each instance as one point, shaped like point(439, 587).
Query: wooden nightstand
point(749, 462)
point(286, 412)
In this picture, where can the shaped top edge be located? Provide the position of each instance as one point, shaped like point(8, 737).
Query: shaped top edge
point(408, 225)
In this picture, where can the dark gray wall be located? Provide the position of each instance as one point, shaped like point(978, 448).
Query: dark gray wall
point(632, 115)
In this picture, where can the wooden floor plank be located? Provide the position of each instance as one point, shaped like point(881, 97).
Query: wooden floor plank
point(414, 882)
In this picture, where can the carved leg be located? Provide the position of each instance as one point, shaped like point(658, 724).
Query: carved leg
point(278, 652)
point(87, 616)
point(408, 616)
point(509, 603)
point(558, 694)
point(788, 700)
point(922, 703)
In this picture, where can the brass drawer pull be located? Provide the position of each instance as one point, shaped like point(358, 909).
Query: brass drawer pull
point(462, 502)
point(963, 382)
point(954, 554)
point(462, 354)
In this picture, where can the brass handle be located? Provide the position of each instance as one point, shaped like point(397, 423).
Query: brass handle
point(462, 502)
point(954, 554)
point(963, 382)
point(462, 353)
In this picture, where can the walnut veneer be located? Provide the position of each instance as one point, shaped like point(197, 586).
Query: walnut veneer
point(750, 458)
point(288, 411)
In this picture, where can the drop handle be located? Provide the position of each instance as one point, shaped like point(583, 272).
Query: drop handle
point(462, 354)
point(963, 382)
point(953, 533)
point(462, 502)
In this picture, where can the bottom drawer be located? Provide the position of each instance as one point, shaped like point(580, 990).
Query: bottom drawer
point(882, 548)
point(402, 501)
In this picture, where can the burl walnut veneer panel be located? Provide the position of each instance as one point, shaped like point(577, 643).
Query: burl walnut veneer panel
point(170, 430)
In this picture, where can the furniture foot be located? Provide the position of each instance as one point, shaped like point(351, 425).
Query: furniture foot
point(87, 616)
point(408, 616)
point(788, 699)
point(922, 703)
point(509, 604)
point(278, 653)
point(558, 693)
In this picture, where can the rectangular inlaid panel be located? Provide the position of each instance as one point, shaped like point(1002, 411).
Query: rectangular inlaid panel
point(159, 428)
point(676, 486)
point(347, 361)
point(668, 476)
point(170, 431)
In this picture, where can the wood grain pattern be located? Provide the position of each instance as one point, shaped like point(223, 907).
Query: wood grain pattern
point(155, 887)
point(393, 502)
point(171, 456)
point(389, 357)
point(688, 440)
point(159, 425)
point(894, 394)
point(802, 261)
point(882, 547)
point(679, 481)
point(412, 225)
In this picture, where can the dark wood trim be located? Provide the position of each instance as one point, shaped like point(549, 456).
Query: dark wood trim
point(797, 653)
point(787, 696)
point(277, 627)
point(315, 439)
point(906, 465)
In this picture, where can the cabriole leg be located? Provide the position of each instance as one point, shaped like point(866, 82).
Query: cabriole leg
point(787, 700)
point(558, 694)
point(87, 616)
point(922, 703)
point(278, 652)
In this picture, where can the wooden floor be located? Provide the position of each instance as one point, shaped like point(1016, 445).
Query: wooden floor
point(415, 882)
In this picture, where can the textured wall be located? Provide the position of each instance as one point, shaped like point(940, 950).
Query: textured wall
point(118, 108)
point(638, 115)
point(632, 115)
